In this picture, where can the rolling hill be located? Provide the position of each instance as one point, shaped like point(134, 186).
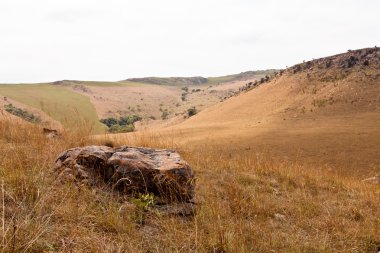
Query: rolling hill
point(198, 80)
point(59, 103)
point(325, 111)
point(159, 101)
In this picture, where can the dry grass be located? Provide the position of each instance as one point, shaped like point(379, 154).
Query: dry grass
point(245, 204)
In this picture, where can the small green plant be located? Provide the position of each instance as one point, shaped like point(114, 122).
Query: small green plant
point(129, 120)
point(142, 202)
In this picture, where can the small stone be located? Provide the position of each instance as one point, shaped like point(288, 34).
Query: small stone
point(279, 217)
point(372, 180)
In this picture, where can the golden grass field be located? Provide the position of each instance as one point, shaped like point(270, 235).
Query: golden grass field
point(244, 204)
point(279, 168)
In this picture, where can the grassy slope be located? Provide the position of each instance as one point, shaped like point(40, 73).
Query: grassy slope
point(58, 102)
point(322, 116)
point(241, 76)
point(246, 203)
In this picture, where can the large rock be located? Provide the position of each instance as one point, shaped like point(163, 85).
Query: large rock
point(129, 170)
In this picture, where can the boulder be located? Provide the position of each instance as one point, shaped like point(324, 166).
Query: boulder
point(50, 133)
point(129, 170)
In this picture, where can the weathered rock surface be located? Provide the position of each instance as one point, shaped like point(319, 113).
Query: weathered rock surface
point(129, 170)
point(372, 180)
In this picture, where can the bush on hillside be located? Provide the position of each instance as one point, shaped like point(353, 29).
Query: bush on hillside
point(121, 128)
point(28, 116)
point(192, 111)
point(124, 124)
point(129, 120)
point(109, 121)
point(165, 114)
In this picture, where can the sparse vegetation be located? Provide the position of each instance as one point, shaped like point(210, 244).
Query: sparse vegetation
point(183, 96)
point(311, 210)
point(248, 197)
point(165, 114)
point(28, 116)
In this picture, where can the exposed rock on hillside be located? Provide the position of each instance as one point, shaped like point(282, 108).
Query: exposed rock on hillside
point(129, 170)
point(366, 57)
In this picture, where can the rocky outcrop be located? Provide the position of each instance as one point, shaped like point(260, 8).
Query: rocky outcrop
point(363, 58)
point(129, 170)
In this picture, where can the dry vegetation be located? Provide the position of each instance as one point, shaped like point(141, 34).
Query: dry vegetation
point(249, 198)
point(245, 204)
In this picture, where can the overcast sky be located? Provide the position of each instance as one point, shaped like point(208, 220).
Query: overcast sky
point(46, 40)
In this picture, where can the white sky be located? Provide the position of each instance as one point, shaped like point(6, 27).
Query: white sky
point(48, 40)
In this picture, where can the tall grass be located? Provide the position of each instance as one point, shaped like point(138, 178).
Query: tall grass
point(244, 203)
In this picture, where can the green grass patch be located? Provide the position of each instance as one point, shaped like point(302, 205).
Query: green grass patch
point(68, 107)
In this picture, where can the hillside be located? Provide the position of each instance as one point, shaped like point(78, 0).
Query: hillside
point(325, 112)
point(57, 102)
point(323, 120)
point(159, 102)
point(185, 81)
point(170, 80)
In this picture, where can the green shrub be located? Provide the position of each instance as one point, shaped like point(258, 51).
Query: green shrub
point(121, 129)
point(22, 113)
point(165, 114)
point(122, 125)
point(109, 122)
point(128, 120)
point(192, 111)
